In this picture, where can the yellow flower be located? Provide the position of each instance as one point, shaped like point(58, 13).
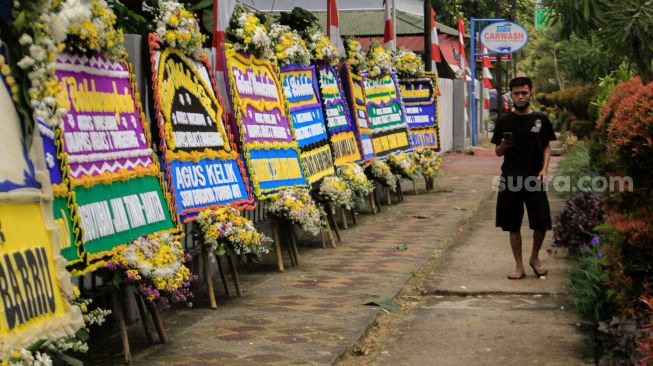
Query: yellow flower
point(173, 21)
point(171, 37)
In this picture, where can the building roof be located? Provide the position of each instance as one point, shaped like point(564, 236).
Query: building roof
point(371, 23)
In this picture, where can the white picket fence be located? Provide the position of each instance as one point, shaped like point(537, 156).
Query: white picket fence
point(445, 108)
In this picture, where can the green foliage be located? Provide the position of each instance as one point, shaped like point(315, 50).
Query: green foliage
point(622, 27)
point(586, 285)
point(575, 165)
point(298, 19)
point(130, 17)
point(555, 63)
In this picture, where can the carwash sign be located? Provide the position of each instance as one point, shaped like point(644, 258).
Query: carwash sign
point(504, 37)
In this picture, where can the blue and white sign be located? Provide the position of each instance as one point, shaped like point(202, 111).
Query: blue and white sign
point(207, 183)
point(504, 37)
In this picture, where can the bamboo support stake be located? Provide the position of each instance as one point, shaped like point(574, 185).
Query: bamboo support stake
point(377, 202)
point(277, 245)
point(372, 203)
point(222, 276)
point(323, 240)
point(120, 316)
point(234, 275)
point(141, 312)
point(387, 194)
point(207, 277)
point(343, 213)
point(293, 244)
point(158, 324)
point(332, 221)
point(353, 217)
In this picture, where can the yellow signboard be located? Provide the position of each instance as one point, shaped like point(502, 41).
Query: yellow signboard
point(32, 302)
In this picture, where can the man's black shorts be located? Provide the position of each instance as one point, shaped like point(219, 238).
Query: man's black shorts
point(510, 209)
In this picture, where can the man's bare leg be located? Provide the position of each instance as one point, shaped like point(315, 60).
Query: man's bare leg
point(534, 261)
point(515, 245)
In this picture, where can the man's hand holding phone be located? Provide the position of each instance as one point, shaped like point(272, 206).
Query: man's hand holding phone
point(507, 140)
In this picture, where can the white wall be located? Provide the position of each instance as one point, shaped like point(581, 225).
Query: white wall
point(445, 107)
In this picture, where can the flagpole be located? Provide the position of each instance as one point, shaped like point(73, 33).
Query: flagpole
point(394, 22)
point(427, 35)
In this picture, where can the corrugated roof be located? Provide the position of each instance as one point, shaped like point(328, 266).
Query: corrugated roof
point(371, 23)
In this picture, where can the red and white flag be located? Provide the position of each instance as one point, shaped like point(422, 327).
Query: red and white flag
point(221, 16)
point(388, 32)
point(435, 42)
point(461, 48)
point(333, 30)
point(487, 65)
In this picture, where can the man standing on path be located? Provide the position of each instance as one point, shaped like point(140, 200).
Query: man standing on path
point(522, 137)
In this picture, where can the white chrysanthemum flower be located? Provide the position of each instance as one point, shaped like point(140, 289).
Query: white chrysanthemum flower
point(25, 39)
point(26, 63)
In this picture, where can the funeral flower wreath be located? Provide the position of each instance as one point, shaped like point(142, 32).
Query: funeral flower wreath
point(296, 206)
point(225, 232)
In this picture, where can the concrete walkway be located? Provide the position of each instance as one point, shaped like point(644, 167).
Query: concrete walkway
point(473, 315)
point(313, 313)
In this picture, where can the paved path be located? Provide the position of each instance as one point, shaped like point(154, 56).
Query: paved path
point(473, 315)
point(313, 313)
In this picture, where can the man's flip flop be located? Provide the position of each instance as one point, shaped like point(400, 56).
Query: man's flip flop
point(516, 278)
point(538, 274)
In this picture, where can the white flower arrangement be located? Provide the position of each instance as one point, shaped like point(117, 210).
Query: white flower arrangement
point(322, 49)
point(289, 48)
point(404, 165)
point(356, 56)
point(379, 60)
point(248, 35)
point(177, 28)
point(429, 162)
point(381, 173)
point(225, 232)
point(74, 24)
point(354, 175)
point(408, 63)
point(296, 206)
point(24, 357)
point(336, 191)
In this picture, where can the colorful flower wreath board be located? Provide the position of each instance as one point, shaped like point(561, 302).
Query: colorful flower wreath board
point(115, 187)
point(36, 283)
point(340, 128)
point(386, 114)
point(270, 152)
point(358, 108)
point(60, 205)
point(202, 166)
point(419, 96)
point(299, 85)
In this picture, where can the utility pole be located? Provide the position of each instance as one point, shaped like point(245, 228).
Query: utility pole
point(499, 68)
point(427, 35)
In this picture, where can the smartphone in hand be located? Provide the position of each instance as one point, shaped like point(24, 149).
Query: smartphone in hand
point(508, 136)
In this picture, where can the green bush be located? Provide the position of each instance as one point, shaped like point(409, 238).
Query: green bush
point(582, 128)
point(575, 165)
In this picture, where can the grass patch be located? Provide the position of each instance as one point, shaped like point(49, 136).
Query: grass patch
point(575, 165)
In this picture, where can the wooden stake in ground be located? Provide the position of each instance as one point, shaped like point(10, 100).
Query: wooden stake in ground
point(120, 317)
point(332, 221)
point(158, 324)
point(222, 276)
point(234, 275)
point(141, 312)
point(343, 213)
point(207, 277)
point(277, 244)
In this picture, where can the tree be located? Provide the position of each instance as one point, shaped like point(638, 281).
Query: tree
point(555, 63)
point(622, 27)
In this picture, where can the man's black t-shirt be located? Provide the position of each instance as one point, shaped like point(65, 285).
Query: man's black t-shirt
point(531, 133)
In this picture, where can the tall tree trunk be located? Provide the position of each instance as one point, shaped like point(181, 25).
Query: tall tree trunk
point(561, 83)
